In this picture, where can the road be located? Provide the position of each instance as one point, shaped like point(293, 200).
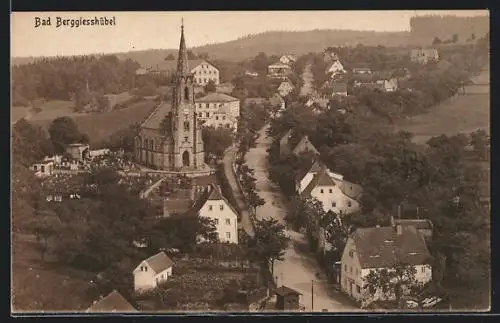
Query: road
point(307, 77)
point(228, 160)
point(299, 268)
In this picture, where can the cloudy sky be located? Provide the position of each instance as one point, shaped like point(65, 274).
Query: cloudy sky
point(160, 30)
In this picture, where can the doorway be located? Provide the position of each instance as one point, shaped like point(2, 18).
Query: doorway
point(185, 158)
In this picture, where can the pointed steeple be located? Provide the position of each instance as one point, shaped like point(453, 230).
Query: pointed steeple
point(182, 60)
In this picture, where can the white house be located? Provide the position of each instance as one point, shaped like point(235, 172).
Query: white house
point(221, 119)
point(335, 68)
point(151, 272)
point(285, 88)
point(212, 204)
point(376, 248)
point(278, 70)
point(205, 72)
point(336, 194)
point(43, 168)
point(213, 103)
point(287, 59)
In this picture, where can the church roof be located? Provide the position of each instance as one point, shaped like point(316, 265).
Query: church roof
point(154, 120)
point(217, 97)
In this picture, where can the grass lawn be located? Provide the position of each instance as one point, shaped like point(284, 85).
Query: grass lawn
point(464, 113)
point(42, 286)
point(99, 126)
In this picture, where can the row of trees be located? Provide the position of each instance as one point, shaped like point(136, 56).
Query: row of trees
point(60, 78)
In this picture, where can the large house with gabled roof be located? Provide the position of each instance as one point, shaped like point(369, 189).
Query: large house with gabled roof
point(213, 205)
point(375, 248)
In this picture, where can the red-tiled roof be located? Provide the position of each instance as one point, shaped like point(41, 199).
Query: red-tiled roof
point(382, 247)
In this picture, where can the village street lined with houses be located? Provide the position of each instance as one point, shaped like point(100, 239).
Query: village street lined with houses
point(351, 178)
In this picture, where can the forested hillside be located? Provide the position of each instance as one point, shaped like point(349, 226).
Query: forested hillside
point(445, 27)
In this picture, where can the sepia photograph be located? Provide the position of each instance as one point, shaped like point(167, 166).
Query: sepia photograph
point(250, 162)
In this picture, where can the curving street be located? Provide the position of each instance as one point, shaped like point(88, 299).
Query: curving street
point(299, 268)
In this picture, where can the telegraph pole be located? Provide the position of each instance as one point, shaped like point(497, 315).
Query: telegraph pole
point(312, 295)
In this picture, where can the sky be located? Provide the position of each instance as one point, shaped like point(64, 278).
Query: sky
point(160, 30)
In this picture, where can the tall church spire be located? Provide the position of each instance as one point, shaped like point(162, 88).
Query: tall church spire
point(182, 61)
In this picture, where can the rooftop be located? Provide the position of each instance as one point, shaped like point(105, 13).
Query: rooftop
point(114, 302)
point(379, 247)
point(284, 291)
point(159, 262)
point(217, 97)
point(154, 120)
point(213, 194)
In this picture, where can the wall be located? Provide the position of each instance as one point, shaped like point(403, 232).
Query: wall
point(144, 280)
point(221, 215)
point(351, 272)
point(163, 276)
point(205, 72)
point(334, 194)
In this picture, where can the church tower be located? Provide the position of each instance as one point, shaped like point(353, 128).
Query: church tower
point(188, 152)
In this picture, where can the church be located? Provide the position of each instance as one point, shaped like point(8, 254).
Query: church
point(170, 138)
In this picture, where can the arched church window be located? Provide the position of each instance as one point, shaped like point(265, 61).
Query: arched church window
point(186, 93)
point(186, 125)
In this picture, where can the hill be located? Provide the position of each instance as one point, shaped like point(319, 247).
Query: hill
point(275, 42)
point(445, 27)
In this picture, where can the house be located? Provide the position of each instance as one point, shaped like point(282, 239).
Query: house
point(278, 70)
point(290, 145)
point(285, 88)
point(423, 226)
point(213, 205)
point(339, 89)
point(112, 303)
point(251, 74)
point(287, 299)
point(361, 70)
point(78, 152)
point(152, 271)
point(335, 193)
point(424, 56)
point(375, 248)
point(221, 119)
point(335, 68)
point(218, 103)
point(203, 71)
point(43, 168)
point(287, 59)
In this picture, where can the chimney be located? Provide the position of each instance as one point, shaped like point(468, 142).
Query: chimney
point(399, 229)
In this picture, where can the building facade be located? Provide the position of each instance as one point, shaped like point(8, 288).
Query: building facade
point(205, 72)
point(217, 103)
point(152, 272)
point(170, 138)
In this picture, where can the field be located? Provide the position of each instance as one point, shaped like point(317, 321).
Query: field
point(461, 113)
point(41, 286)
point(100, 126)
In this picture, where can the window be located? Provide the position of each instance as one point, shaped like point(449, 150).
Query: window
point(349, 204)
point(351, 253)
point(145, 268)
point(216, 221)
point(221, 207)
point(422, 270)
point(216, 117)
point(334, 204)
point(186, 125)
point(358, 289)
point(35, 168)
point(207, 114)
point(228, 221)
point(321, 191)
point(228, 235)
point(199, 105)
point(330, 190)
point(210, 207)
point(186, 93)
point(223, 117)
point(207, 105)
point(350, 269)
point(186, 139)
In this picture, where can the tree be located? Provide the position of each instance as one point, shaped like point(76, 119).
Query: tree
point(64, 131)
point(29, 142)
point(191, 55)
point(269, 242)
point(337, 230)
point(210, 87)
point(480, 143)
point(170, 57)
point(254, 201)
point(394, 282)
point(436, 41)
point(304, 213)
point(260, 63)
point(45, 226)
point(124, 139)
point(216, 141)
